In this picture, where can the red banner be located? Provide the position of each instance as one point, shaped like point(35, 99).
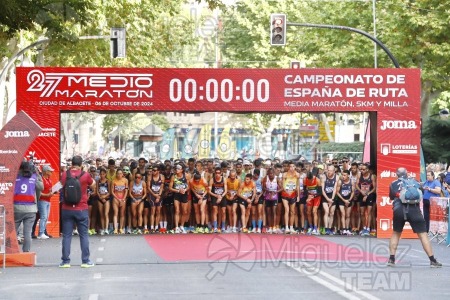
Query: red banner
point(394, 94)
point(17, 136)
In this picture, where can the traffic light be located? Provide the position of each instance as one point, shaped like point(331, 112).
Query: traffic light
point(278, 29)
point(118, 42)
point(295, 64)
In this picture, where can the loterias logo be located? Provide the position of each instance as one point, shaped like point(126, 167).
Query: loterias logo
point(398, 149)
point(398, 125)
point(19, 134)
point(84, 85)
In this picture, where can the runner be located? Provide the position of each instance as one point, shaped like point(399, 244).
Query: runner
point(233, 184)
point(271, 186)
point(246, 194)
point(289, 196)
point(346, 190)
point(138, 192)
point(366, 185)
point(179, 186)
point(258, 204)
point(103, 193)
point(199, 189)
point(119, 191)
point(217, 190)
point(313, 190)
point(155, 188)
point(329, 184)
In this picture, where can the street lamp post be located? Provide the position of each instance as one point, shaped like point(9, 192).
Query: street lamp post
point(374, 39)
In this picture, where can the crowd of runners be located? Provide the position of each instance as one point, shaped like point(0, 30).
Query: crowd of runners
point(213, 196)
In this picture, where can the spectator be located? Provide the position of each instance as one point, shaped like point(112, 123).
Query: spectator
point(44, 201)
point(431, 188)
point(78, 215)
point(28, 182)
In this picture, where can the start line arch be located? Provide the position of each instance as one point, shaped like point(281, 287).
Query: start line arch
point(391, 96)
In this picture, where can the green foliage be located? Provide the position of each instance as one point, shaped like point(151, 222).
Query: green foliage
point(441, 102)
point(55, 17)
point(436, 141)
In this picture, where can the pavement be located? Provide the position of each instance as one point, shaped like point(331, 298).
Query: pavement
point(227, 266)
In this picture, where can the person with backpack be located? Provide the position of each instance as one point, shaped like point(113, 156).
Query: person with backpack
point(406, 197)
point(74, 211)
point(28, 183)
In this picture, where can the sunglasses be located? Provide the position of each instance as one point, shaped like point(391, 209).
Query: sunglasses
point(345, 161)
point(138, 177)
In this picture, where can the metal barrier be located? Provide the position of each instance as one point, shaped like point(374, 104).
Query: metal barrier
point(3, 234)
point(439, 207)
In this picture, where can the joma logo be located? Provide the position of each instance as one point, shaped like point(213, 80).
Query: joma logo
point(9, 134)
point(398, 125)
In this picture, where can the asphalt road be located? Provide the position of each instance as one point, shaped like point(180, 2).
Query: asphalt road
point(228, 266)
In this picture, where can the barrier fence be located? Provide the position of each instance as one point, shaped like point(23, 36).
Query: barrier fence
point(3, 234)
point(439, 209)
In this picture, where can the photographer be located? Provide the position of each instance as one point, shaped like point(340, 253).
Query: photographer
point(28, 183)
point(407, 212)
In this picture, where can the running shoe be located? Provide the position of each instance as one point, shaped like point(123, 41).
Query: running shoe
point(64, 265)
point(200, 230)
point(258, 230)
point(391, 263)
point(254, 230)
point(302, 231)
point(146, 231)
point(435, 264)
point(309, 232)
point(245, 230)
point(88, 264)
point(183, 230)
point(115, 231)
point(234, 230)
point(269, 231)
point(287, 231)
point(140, 231)
point(264, 230)
point(322, 231)
point(75, 232)
point(315, 232)
point(191, 229)
point(102, 232)
point(121, 231)
point(216, 230)
point(373, 232)
point(206, 230)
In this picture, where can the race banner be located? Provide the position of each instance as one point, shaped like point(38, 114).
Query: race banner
point(394, 94)
point(17, 136)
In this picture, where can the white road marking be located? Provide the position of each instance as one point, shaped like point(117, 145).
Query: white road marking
point(101, 248)
point(341, 288)
point(93, 297)
point(99, 260)
point(98, 276)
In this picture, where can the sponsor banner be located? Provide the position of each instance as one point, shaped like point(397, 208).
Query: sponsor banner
point(18, 134)
point(220, 89)
point(393, 94)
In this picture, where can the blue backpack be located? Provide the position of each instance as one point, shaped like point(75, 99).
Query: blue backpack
point(410, 192)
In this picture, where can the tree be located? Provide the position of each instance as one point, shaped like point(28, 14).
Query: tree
point(56, 17)
point(435, 147)
point(415, 32)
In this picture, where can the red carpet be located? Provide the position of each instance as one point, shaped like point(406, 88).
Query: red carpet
point(257, 247)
